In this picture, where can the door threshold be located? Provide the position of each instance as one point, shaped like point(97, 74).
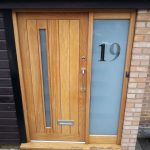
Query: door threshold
point(66, 146)
point(67, 142)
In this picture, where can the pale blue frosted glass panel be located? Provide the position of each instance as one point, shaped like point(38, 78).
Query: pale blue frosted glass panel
point(107, 76)
point(45, 76)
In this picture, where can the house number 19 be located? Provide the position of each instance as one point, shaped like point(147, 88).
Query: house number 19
point(114, 50)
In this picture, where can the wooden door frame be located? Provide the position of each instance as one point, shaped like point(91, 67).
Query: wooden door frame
point(93, 14)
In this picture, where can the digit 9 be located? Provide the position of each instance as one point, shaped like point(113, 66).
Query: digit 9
point(115, 50)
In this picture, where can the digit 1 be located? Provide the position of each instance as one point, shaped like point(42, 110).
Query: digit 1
point(102, 52)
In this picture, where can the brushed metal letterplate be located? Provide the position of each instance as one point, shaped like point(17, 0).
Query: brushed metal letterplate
point(65, 122)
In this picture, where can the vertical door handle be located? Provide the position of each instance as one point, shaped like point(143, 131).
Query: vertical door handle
point(83, 75)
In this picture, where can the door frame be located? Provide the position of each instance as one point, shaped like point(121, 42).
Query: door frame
point(106, 14)
point(93, 14)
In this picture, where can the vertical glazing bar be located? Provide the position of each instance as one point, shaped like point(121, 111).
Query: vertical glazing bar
point(45, 76)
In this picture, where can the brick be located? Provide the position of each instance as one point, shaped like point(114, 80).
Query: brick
point(131, 147)
point(136, 119)
point(135, 62)
point(138, 101)
point(124, 147)
point(136, 69)
point(139, 95)
point(140, 57)
point(130, 95)
point(132, 144)
point(142, 12)
point(126, 123)
point(139, 38)
point(134, 132)
point(125, 144)
point(138, 105)
point(137, 109)
point(143, 17)
point(126, 131)
point(128, 114)
point(141, 85)
point(132, 85)
point(135, 57)
point(142, 31)
point(125, 140)
point(136, 123)
point(140, 24)
point(133, 140)
point(146, 51)
point(144, 57)
point(148, 24)
point(146, 38)
point(134, 74)
point(131, 127)
point(142, 44)
point(136, 91)
point(129, 110)
point(137, 80)
point(145, 63)
point(137, 114)
point(141, 74)
point(130, 105)
point(142, 68)
point(129, 136)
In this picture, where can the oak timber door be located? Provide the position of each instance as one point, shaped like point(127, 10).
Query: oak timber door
point(53, 55)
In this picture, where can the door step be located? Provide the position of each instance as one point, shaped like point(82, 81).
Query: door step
point(67, 146)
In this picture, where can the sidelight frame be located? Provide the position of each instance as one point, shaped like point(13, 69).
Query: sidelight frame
point(101, 15)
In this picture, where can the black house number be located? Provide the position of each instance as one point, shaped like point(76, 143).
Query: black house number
point(114, 50)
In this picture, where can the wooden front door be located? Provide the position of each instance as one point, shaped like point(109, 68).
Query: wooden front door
point(53, 49)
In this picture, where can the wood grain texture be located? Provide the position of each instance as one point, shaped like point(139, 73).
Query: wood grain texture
point(64, 71)
point(117, 15)
point(96, 139)
point(83, 64)
point(112, 15)
point(55, 89)
point(89, 65)
point(67, 146)
point(43, 24)
point(66, 42)
point(74, 75)
point(20, 69)
point(35, 63)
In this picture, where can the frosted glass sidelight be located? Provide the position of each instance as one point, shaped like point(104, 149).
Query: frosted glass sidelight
point(108, 59)
point(45, 76)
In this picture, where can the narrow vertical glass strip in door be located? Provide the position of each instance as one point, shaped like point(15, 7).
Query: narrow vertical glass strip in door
point(45, 76)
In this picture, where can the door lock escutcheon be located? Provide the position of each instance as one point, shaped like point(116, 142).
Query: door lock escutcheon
point(83, 58)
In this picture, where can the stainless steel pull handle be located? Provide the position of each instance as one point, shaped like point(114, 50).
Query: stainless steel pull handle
point(83, 74)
